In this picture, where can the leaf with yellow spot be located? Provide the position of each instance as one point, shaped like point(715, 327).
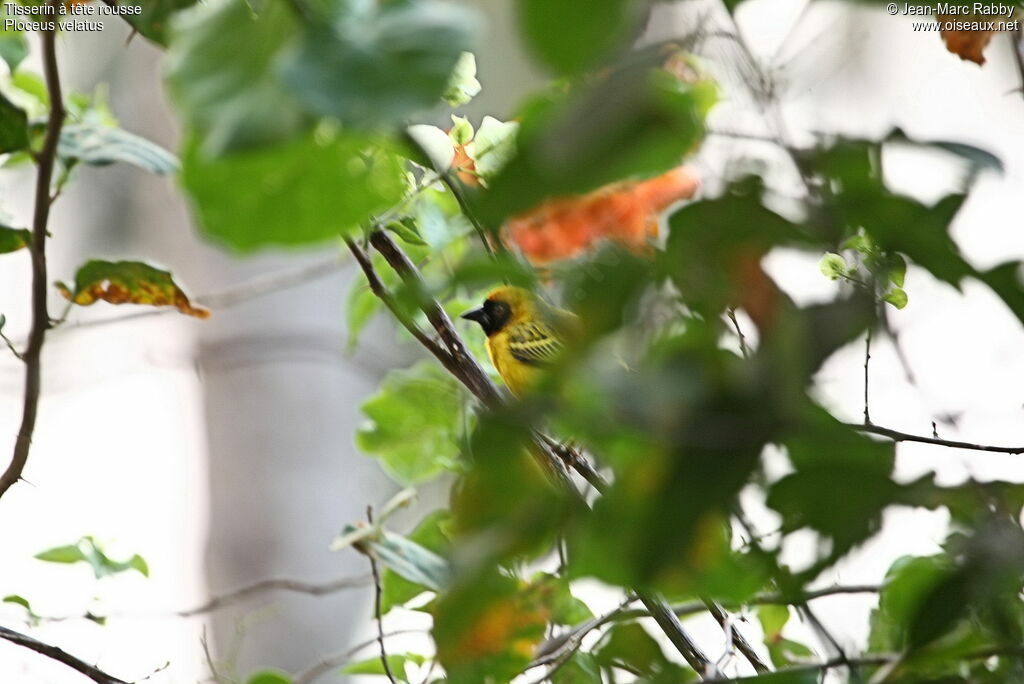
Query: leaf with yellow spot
point(13, 239)
point(128, 282)
point(489, 627)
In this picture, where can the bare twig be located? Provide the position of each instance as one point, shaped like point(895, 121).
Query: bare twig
point(897, 436)
point(376, 606)
point(341, 659)
point(32, 356)
point(10, 345)
point(867, 362)
point(54, 653)
point(731, 313)
point(264, 586)
point(738, 640)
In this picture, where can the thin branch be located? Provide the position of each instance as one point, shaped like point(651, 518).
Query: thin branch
point(669, 623)
point(738, 640)
point(377, 612)
point(321, 668)
point(52, 652)
point(455, 186)
point(897, 436)
point(264, 586)
point(731, 313)
point(10, 345)
point(867, 362)
point(37, 251)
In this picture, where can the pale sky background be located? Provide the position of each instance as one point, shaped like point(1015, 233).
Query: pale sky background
point(121, 447)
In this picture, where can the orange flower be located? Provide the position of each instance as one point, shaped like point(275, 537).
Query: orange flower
point(624, 212)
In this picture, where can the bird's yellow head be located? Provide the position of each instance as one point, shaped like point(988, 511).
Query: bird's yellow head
point(504, 306)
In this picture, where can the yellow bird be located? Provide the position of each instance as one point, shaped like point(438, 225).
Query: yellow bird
point(524, 334)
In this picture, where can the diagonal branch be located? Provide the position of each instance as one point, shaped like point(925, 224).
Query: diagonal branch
point(95, 674)
point(32, 355)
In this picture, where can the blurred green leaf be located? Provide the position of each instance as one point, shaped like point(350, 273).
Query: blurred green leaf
point(13, 127)
point(87, 550)
point(637, 121)
point(374, 64)
point(128, 282)
point(493, 145)
point(269, 677)
point(573, 35)
point(102, 145)
point(581, 668)
point(629, 646)
point(396, 590)
point(416, 421)
point(13, 46)
point(487, 627)
point(897, 297)
point(13, 239)
point(410, 560)
point(19, 600)
point(306, 191)
point(773, 619)
point(406, 231)
point(842, 482)
point(784, 652)
point(566, 609)
point(154, 19)
point(374, 666)
point(463, 85)
point(222, 73)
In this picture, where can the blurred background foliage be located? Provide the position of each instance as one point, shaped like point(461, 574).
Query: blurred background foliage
point(299, 128)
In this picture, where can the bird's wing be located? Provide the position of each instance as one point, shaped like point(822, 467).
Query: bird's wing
point(535, 343)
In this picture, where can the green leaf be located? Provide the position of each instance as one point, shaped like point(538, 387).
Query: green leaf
point(62, 554)
point(493, 145)
point(302, 192)
point(463, 85)
point(833, 266)
point(785, 652)
point(377, 63)
point(415, 423)
point(630, 646)
point(374, 666)
point(19, 600)
point(13, 46)
point(102, 145)
point(128, 282)
point(773, 619)
point(396, 590)
point(897, 297)
point(571, 36)
point(486, 628)
point(13, 127)
point(406, 231)
point(222, 73)
point(581, 668)
point(408, 559)
point(907, 582)
point(566, 609)
point(13, 239)
point(269, 677)
point(154, 19)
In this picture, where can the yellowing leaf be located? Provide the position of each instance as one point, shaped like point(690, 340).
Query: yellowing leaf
point(12, 239)
point(128, 282)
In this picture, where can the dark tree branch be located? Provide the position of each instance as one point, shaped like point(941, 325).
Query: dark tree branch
point(32, 355)
point(897, 436)
point(95, 674)
point(867, 376)
point(669, 623)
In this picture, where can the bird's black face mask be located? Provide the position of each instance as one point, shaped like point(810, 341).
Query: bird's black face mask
point(492, 316)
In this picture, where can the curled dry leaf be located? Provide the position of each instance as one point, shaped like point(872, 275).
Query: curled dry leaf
point(128, 282)
point(969, 45)
point(624, 212)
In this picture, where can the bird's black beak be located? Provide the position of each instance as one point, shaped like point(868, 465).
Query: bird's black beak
point(480, 316)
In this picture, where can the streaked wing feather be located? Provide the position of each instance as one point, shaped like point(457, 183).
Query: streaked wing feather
point(534, 343)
